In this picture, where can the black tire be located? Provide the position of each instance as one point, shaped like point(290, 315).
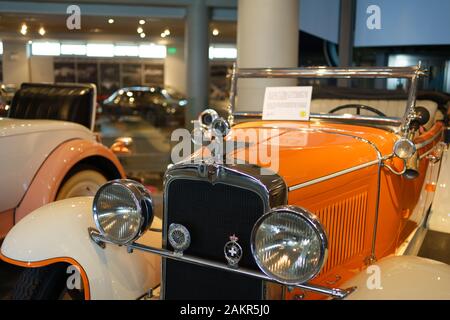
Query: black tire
point(44, 283)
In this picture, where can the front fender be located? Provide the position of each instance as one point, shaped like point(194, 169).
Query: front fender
point(402, 278)
point(58, 232)
point(44, 187)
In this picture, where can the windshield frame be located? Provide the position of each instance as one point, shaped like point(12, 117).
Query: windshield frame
point(413, 74)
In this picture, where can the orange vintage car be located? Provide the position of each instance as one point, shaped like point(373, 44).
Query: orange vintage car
point(346, 212)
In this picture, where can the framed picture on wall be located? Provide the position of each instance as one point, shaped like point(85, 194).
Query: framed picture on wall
point(131, 74)
point(154, 74)
point(64, 71)
point(87, 73)
point(109, 78)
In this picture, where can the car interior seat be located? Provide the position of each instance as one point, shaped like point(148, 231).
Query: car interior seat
point(67, 102)
point(391, 103)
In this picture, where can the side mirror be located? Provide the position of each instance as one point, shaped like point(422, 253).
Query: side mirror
point(422, 116)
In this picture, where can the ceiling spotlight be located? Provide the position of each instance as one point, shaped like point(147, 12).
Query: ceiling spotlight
point(110, 21)
point(140, 30)
point(215, 32)
point(141, 21)
point(142, 35)
point(42, 31)
point(24, 29)
point(163, 35)
point(167, 32)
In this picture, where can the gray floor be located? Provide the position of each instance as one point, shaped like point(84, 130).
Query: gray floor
point(436, 246)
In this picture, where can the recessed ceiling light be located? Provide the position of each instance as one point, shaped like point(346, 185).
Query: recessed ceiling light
point(24, 29)
point(142, 35)
point(163, 35)
point(142, 21)
point(215, 32)
point(110, 21)
point(140, 30)
point(42, 31)
point(167, 32)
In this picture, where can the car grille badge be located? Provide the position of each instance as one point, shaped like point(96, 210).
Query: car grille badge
point(233, 252)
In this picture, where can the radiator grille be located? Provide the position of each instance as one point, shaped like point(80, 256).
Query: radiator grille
point(344, 222)
point(212, 213)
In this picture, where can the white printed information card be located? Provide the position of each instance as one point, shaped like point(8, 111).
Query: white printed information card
point(287, 103)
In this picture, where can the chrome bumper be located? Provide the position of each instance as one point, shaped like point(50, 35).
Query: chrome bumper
point(335, 293)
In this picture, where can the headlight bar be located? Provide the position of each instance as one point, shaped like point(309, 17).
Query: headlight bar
point(333, 292)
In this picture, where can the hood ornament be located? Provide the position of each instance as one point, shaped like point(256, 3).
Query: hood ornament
point(233, 252)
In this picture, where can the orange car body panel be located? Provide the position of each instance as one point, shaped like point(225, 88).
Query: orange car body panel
point(46, 183)
point(6, 222)
point(310, 150)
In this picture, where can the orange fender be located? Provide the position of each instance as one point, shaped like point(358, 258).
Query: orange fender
point(45, 185)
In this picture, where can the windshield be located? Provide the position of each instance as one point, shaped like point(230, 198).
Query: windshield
point(247, 95)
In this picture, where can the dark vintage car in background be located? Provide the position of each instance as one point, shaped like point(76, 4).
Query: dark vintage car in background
point(159, 106)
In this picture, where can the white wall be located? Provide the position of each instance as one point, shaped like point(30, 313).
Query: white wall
point(42, 69)
point(175, 70)
point(16, 68)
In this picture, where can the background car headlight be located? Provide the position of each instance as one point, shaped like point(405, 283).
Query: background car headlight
point(289, 244)
point(122, 210)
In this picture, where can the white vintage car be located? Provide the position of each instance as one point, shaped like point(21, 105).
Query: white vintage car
point(43, 158)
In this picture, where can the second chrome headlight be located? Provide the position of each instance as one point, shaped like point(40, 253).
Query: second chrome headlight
point(122, 210)
point(289, 245)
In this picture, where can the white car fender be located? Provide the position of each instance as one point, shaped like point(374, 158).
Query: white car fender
point(439, 219)
point(59, 232)
point(402, 278)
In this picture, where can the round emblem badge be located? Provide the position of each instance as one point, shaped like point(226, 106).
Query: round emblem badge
point(233, 251)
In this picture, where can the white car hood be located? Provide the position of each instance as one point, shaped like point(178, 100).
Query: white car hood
point(12, 127)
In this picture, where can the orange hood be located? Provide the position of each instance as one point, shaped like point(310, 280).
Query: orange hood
point(302, 151)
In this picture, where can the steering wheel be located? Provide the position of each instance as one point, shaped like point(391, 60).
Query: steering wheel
point(358, 108)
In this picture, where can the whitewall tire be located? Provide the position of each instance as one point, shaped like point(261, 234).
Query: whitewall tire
point(82, 183)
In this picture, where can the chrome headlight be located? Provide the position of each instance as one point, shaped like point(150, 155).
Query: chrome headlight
point(220, 127)
point(122, 209)
point(289, 245)
point(207, 117)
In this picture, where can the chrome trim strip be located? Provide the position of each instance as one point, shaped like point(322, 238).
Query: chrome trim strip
point(333, 175)
point(333, 292)
point(332, 72)
point(389, 121)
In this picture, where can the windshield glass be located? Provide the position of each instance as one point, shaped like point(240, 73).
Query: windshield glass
point(340, 100)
